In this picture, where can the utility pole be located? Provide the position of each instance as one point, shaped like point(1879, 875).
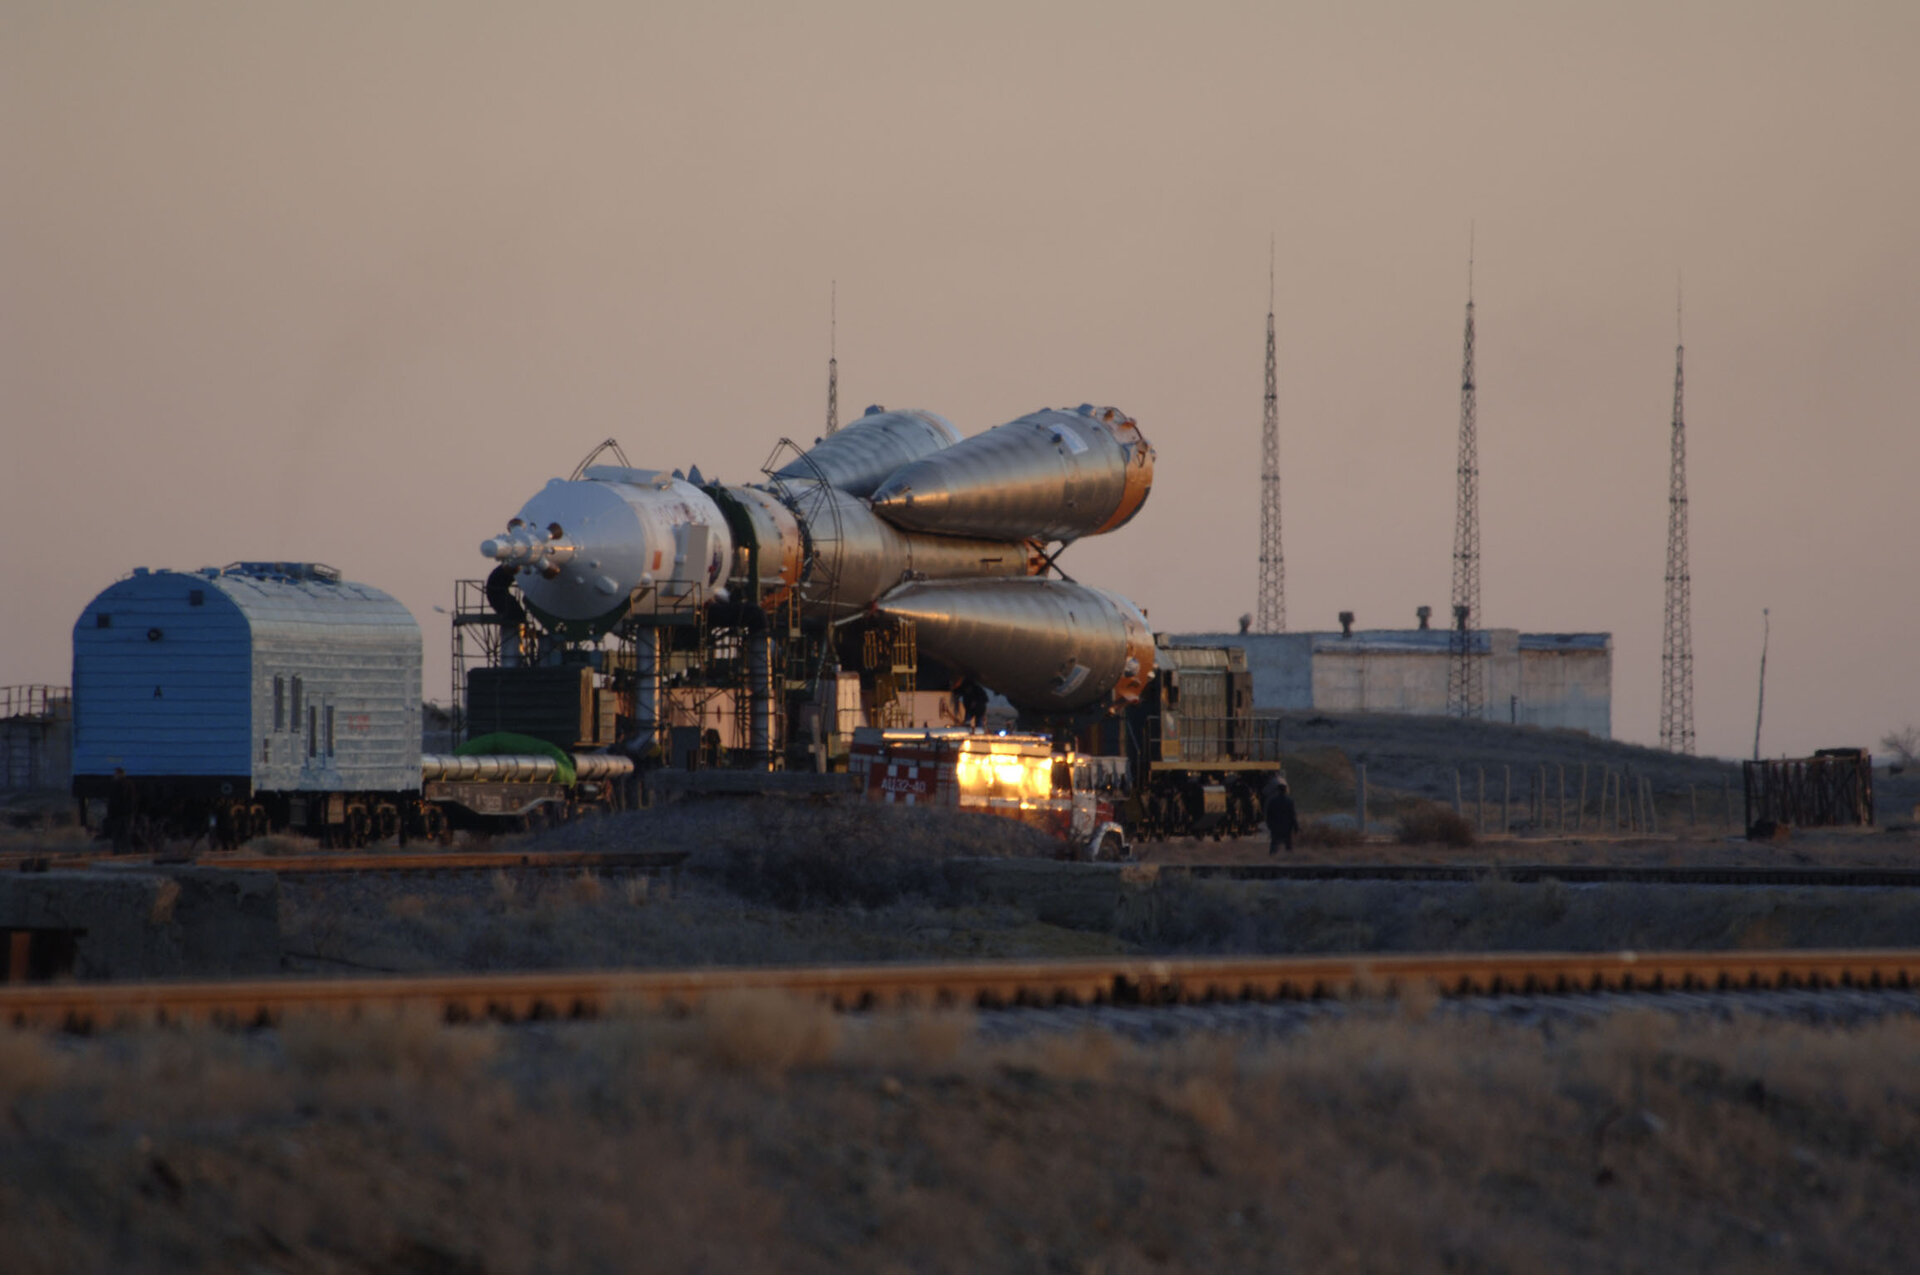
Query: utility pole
point(833, 361)
point(1760, 709)
point(1676, 652)
point(1466, 678)
point(1272, 609)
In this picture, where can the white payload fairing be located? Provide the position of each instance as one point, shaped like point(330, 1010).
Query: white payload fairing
point(897, 516)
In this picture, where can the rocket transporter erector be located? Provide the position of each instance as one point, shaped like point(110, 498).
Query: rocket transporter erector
point(894, 516)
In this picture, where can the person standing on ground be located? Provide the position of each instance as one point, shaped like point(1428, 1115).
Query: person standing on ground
point(1283, 820)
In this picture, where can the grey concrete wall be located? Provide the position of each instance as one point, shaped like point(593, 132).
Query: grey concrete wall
point(1571, 689)
point(1556, 681)
point(1359, 681)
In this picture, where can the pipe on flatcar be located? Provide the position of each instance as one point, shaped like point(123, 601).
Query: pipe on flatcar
point(526, 768)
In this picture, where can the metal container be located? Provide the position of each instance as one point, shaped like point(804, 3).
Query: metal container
point(586, 548)
point(259, 676)
point(858, 458)
point(855, 557)
point(1047, 645)
point(1053, 475)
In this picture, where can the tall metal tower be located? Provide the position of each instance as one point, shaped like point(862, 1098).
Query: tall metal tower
point(833, 361)
point(1271, 614)
point(1466, 676)
point(1676, 651)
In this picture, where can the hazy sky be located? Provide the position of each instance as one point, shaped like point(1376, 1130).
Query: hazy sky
point(348, 282)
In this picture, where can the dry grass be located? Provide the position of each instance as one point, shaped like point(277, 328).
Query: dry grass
point(61, 839)
point(1434, 825)
point(1320, 834)
point(1320, 779)
point(767, 1032)
point(759, 1135)
point(1183, 915)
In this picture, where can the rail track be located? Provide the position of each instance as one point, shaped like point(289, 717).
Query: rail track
point(375, 861)
point(522, 997)
point(653, 861)
point(1571, 874)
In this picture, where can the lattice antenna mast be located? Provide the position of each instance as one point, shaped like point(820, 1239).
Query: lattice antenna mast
point(1272, 609)
point(1676, 651)
point(1466, 678)
point(833, 361)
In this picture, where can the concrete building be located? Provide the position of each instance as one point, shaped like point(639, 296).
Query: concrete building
point(1536, 679)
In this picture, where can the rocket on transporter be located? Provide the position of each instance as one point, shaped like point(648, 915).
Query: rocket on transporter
point(895, 517)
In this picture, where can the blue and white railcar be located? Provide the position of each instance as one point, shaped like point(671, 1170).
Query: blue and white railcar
point(253, 696)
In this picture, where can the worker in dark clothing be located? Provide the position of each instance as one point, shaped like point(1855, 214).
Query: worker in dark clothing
point(1282, 820)
point(971, 699)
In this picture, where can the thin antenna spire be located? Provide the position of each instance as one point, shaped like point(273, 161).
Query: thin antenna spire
point(833, 359)
point(1271, 611)
point(1676, 651)
point(1466, 676)
point(1760, 706)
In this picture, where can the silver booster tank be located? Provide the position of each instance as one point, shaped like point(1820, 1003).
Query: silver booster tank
point(1052, 475)
point(1047, 645)
point(859, 457)
point(856, 557)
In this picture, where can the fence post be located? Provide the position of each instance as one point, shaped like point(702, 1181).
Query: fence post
point(1506, 803)
point(1580, 811)
point(1652, 821)
point(1360, 790)
point(1456, 793)
point(1480, 806)
point(1693, 808)
point(1560, 824)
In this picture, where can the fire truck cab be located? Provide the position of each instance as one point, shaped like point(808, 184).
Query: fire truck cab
point(1074, 798)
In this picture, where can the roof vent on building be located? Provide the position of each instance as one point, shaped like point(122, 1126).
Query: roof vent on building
point(1425, 614)
point(1346, 624)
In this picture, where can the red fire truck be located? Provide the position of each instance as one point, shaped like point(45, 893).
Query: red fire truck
point(1073, 797)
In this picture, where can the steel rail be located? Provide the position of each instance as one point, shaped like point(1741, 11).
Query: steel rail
point(387, 861)
point(1570, 874)
point(590, 994)
point(667, 860)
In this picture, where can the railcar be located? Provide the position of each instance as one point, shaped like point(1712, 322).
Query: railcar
point(267, 696)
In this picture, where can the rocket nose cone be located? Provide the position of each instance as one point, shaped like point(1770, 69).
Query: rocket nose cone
point(914, 494)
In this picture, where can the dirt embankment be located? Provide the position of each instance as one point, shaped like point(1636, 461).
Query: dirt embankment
point(1422, 758)
point(774, 883)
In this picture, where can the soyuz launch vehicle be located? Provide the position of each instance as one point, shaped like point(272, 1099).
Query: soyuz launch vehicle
point(895, 518)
